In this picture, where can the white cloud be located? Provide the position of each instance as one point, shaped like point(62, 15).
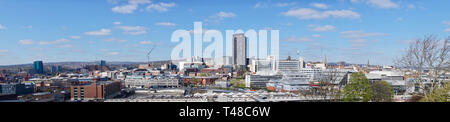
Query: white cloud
point(267, 28)
point(307, 13)
point(146, 42)
point(114, 40)
point(405, 41)
point(359, 45)
point(302, 39)
point(37, 49)
point(101, 32)
point(218, 17)
point(285, 4)
point(166, 24)
point(160, 7)
point(288, 24)
point(2, 52)
point(268, 4)
point(113, 53)
point(117, 23)
point(75, 37)
point(316, 35)
point(133, 30)
point(27, 27)
point(2, 27)
point(125, 9)
point(378, 3)
point(225, 14)
point(322, 28)
point(65, 46)
point(400, 19)
point(447, 30)
point(446, 22)
point(319, 5)
point(139, 1)
point(130, 7)
point(411, 6)
point(358, 40)
point(59, 41)
point(359, 34)
point(26, 42)
point(260, 5)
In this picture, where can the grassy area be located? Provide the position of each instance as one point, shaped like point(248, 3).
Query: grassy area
point(238, 82)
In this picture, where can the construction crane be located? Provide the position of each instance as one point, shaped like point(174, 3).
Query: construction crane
point(148, 55)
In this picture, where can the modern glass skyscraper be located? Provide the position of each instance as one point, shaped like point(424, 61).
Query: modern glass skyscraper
point(56, 69)
point(38, 67)
point(102, 63)
point(239, 49)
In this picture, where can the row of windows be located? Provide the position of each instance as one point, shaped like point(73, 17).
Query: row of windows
point(75, 92)
point(77, 88)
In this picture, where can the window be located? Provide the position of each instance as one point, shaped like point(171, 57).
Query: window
point(75, 93)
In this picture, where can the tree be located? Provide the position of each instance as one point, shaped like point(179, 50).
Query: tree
point(430, 54)
point(382, 91)
point(439, 95)
point(330, 85)
point(358, 89)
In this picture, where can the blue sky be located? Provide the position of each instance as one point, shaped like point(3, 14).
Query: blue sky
point(124, 30)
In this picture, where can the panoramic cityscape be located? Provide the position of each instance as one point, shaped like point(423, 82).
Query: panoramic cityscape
point(221, 51)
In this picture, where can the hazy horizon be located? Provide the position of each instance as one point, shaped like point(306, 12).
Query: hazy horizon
point(353, 31)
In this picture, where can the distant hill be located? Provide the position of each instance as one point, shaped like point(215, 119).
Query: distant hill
point(75, 64)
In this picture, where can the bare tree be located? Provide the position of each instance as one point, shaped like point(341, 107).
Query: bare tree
point(327, 86)
point(430, 54)
point(330, 84)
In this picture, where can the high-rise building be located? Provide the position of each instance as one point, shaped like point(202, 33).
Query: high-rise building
point(302, 62)
point(56, 69)
point(102, 63)
point(38, 67)
point(239, 49)
point(287, 66)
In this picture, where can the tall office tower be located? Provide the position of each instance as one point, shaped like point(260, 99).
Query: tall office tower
point(54, 69)
point(302, 62)
point(239, 50)
point(102, 63)
point(38, 67)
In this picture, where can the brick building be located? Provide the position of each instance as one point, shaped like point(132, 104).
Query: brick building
point(198, 80)
point(97, 90)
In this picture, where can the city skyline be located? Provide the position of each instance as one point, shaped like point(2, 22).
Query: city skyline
point(353, 31)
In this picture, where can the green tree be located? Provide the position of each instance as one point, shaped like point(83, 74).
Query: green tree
point(439, 95)
point(358, 89)
point(382, 91)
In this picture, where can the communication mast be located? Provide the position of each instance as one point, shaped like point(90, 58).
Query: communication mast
point(148, 55)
